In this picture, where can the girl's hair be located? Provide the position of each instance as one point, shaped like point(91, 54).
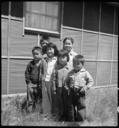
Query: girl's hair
point(36, 48)
point(79, 58)
point(68, 38)
point(63, 53)
point(51, 45)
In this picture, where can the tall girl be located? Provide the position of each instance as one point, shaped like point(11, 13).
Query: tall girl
point(47, 88)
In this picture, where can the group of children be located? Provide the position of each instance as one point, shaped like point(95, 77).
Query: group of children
point(58, 81)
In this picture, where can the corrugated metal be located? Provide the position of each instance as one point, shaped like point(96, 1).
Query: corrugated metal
point(4, 36)
point(105, 47)
point(4, 76)
point(20, 46)
point(114, 73)
point(115, 49)
point(90, 41)
point(103, 73)
point(91, 68)
point(17, 80)
point(76, 35)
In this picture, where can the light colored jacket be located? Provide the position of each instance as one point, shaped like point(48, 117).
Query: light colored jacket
point(79, 79)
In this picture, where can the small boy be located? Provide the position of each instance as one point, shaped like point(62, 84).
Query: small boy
point(43, 43)
point(60, 73)
point(33, 78)
point(78, 82)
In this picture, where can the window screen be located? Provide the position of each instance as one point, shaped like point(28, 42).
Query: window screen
point(107, 19)
point(17, 9)
point(42, 15)
point(4, 8)
point(91, 16)
point(73, 14)
point(116, 21)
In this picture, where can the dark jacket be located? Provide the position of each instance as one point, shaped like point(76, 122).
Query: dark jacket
point(33, 73)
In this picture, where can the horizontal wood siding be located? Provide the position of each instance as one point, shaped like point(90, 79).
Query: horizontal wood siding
point(90, 42)
point(103, 73)
point(4, 76)
point(91, 68)
point(114, 73)
point(105, 47)
point(17, 80)
point(21, 45)
point(115, 49)
point(4, 36)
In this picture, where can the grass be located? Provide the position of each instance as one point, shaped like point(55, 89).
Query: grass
point(101, 111)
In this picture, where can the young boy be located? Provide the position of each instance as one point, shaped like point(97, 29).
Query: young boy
point(43, 43)
point(60, 73)
point(33, 78)
point(78, 82)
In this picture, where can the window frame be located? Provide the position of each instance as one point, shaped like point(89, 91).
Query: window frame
point(43, 31)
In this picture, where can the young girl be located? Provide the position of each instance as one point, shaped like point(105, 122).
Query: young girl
point(59, 75)
point(47, 89)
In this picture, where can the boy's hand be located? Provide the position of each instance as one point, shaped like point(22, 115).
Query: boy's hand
point(66, 87)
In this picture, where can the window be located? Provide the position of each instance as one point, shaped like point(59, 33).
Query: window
point(4, 8)
point(116, 21)
point(17, 9)
point(42, 15)
point(91, 16)
point(107, 19)
point(73, 14)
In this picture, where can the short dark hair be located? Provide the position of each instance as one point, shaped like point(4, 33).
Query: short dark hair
point(68, 38)
point(63, 53)
point(79, 58)
point(36, 48)
point(52, 45)
point(44, 37)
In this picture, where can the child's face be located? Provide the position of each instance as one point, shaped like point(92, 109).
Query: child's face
point(50, 52)
point(44, 43)
point(37, 54)
point(68, 45)
point(77, 65)
point(62, 60)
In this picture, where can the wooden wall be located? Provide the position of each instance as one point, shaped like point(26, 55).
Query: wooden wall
point(93, 46)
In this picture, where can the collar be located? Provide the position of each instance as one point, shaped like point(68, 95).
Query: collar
point(82, 70)
point(72, 52)
point(51, 59)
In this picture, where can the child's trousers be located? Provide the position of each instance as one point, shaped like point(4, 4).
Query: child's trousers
point(68, 108)
point(34, 94)
point(80, 105)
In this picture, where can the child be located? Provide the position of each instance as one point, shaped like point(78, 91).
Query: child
point(47, 89)
point(60, 73)
point(43, 42)
point(78, 82)
point(33, 78)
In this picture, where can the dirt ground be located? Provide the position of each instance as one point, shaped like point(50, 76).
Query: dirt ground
point(101, 111)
